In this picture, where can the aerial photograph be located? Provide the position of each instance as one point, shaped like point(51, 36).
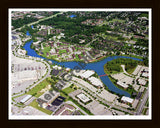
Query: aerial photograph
point(79, 64)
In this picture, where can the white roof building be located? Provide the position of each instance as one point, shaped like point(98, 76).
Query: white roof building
point(53, 50)
point(127, 99)
point(142, 81)
point(83, 98)
point(36, 43)
point(87, 74)
point(122, 84)
point(26, 98)
point(145, 74)
point(68, 69)
point(55, 67)
point(95, 81)
point(59, 68)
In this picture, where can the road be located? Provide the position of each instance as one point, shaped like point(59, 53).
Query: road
point(39, 21)
point(142, 103)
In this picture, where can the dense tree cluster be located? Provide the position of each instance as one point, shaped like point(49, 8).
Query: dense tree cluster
point(20, 22)
point(115, 65)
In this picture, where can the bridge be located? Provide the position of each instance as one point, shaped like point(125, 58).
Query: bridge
point(103, 75)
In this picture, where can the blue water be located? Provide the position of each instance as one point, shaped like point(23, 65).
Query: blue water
point(96, 66)
point(28, 34)
point(72, 16)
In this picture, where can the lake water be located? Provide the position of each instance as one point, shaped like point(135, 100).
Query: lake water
point(72, 16)
point(96, 66)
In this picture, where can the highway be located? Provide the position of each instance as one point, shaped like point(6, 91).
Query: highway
point(142, 103)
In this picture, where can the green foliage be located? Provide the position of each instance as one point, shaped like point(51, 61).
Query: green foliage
point(115, 65)
point(35, 105)
point(68, 90)
point(20, 22)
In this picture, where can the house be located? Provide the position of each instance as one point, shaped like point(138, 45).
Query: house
point(73, 55)
point(79, 56)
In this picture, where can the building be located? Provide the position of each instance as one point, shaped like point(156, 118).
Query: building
point(123, 85)
point(87, 74)
point(49, 96)
point(65, 110)
point(127, 100)
point(36, 43)
point(95, 81)
point(21, 52)
point(26, 99)
point(145, 74)
point(142, 81)
point(83, 98)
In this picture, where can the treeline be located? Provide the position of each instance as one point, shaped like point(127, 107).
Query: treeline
point(20, 22)
point(142, 42)
point(115, 65)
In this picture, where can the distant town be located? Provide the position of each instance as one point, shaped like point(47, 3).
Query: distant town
point(79, 63)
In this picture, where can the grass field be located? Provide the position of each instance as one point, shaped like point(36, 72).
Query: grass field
point(118, 20)
point(68, 90)
point(46, 49)
point(35, 105)
point(113, 72)
point(130, 71)
point(36, 90)
point(62, 51)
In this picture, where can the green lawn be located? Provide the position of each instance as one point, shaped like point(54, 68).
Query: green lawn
point(62, 51)
point(114, 20)
point(46, 49)
point(36, 90)
point(35, 105)
point(131, 70)
point(68, 90)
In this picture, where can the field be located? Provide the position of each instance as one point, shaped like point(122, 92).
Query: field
point(35, 105)
point(68, 90)
point(36, 90)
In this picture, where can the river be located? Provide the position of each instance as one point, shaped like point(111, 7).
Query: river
point(96, 66)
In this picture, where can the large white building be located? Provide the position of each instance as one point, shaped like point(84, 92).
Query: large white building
point(87, 74)
point(122, 84)
point(145, 74)
point(26, 98)
point(127, 99)
point(142, 81)
point(95, 81)
point(83, 98)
